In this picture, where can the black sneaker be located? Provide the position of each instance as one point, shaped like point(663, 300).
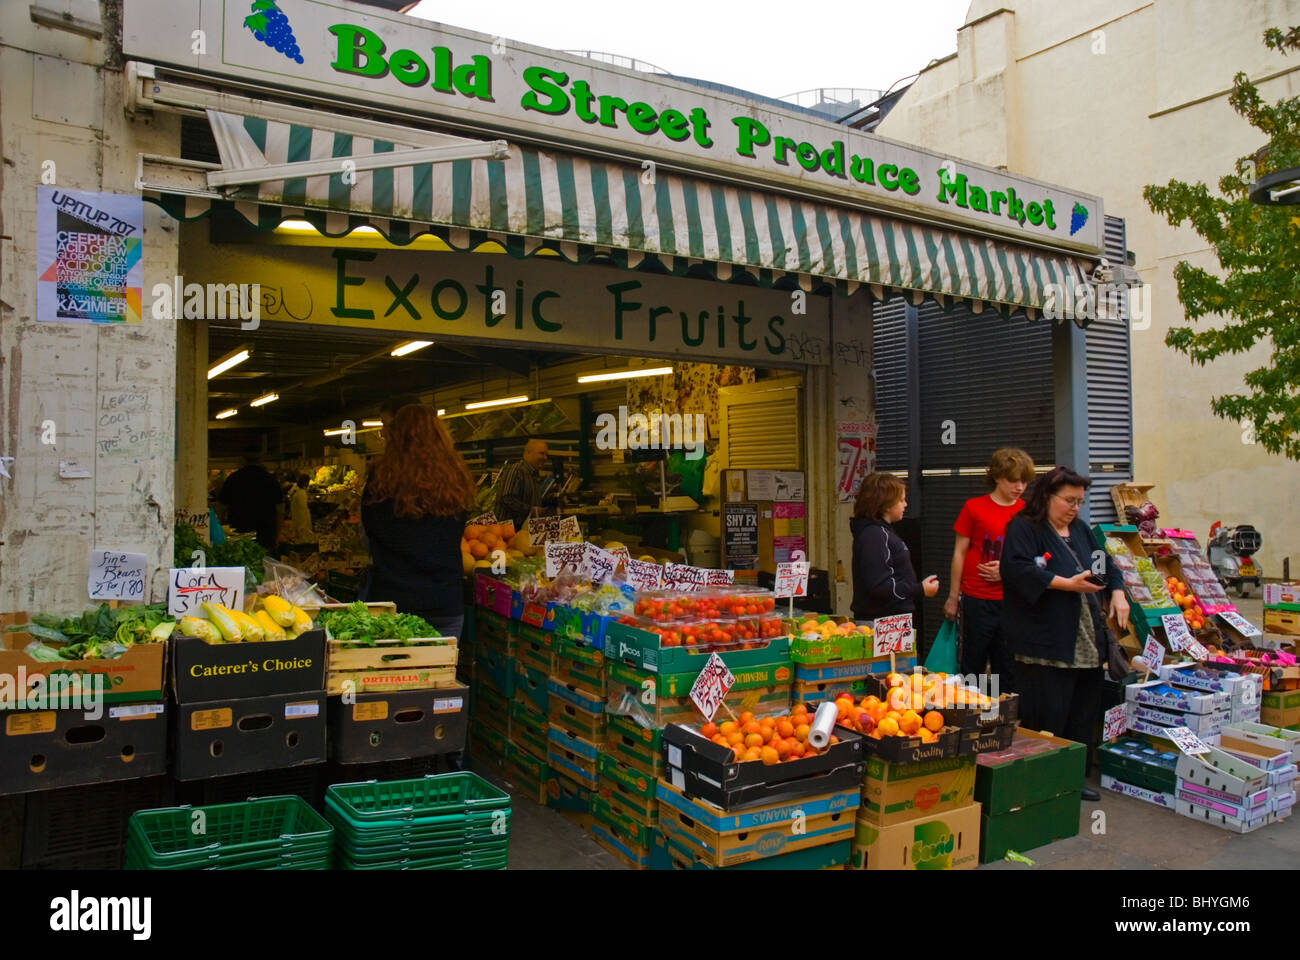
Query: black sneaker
point(1090, 794)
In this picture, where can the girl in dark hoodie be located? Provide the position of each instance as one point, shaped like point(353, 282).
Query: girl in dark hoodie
point(884, 582)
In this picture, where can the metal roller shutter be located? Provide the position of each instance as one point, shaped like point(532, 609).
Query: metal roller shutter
point(1110, 395)
point(760, 425)
point(889, 370)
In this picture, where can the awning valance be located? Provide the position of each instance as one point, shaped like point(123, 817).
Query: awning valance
point(586, 207)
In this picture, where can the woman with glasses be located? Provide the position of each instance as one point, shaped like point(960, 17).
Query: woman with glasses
point(1052, 575)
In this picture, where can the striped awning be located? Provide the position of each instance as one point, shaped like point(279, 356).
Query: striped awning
point(585, 209)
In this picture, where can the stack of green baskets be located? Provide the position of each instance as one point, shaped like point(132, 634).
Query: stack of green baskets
point(270, 833)
point(450, 821)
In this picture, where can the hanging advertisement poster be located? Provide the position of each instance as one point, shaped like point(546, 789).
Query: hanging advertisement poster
point(855, 444)
point(88, 256)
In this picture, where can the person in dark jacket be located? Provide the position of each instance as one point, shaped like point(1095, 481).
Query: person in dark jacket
point(253, 496)
point(413, 511)
point(884, 582)
point(1052, 573)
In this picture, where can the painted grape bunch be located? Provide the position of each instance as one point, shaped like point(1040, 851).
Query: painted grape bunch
point(271, 27)
point(1078, 217)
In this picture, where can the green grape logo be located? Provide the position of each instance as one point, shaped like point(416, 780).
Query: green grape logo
point(271, 27)
point(1078, 217)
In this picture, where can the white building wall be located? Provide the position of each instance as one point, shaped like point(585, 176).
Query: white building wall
point(61, 103)
point(1108, 96)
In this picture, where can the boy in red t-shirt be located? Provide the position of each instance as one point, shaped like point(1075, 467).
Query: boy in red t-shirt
point(975, 563)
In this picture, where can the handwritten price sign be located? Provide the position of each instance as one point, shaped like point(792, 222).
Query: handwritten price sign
point(711, 686)
point(1153, 654)
point(644, 575)
point(892, 635)
point(720, 578)
point(1115, 723)
point(1180, 638)
point(1187, 741)
point(622, 555)
point(570, 558)
point(791, 579)
point(1196, 650)
point(601, 564)
point(680, 576)
point(545, 529)
point(115, 575)
point(188, 587)
point(1239, 623)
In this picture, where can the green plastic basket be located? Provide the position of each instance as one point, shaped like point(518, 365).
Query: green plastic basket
point(463, 825)
point(442, 795)
point(431, 863)
point(247, 835)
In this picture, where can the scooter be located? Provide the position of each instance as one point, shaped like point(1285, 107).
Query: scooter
point(1231, 551)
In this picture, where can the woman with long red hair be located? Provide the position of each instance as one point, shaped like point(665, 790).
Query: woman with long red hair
point(413, 510)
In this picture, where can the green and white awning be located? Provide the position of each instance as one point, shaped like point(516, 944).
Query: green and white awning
point(585, 209)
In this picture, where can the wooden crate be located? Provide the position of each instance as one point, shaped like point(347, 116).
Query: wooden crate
point(379, 681)
point(391, 665)
point(1129, 495)
point(373, 607)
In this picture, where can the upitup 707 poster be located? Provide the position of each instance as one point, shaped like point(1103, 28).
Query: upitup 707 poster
point(88, 256)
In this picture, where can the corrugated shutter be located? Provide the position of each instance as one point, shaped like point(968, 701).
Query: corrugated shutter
point(1110, 395)
point(760, 425)
point(986, 382)
point(889, 367)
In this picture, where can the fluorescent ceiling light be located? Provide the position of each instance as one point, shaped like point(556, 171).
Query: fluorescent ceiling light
point(227, 413)
point(228, 361)
point(372, 423)
point(625, 374)
point(411, 346)
point(336, 433)
point(264, 399)
point(441, 412)
point(495, 403)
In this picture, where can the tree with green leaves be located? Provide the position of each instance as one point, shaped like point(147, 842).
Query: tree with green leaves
point(1257, 290)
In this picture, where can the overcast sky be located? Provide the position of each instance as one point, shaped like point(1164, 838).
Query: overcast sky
point(772, 47)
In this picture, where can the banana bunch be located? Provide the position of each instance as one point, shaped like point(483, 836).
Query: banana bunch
point(277, 619)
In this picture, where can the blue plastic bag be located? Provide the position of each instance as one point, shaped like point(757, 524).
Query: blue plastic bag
point(943, 653)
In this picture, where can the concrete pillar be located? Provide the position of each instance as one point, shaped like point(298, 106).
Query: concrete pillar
point(851, 397)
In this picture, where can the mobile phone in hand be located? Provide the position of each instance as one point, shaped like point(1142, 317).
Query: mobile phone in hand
point(1095, 580)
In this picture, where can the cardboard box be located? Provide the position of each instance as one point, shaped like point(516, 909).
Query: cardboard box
point(394, 726)
point(530, 775)
point(986, 739)
point(620, 822)
point(136, 676)
point(568, 795)
point(816, 693)
point(635, 746)
point(1037, 767)
point(701, 768)
point(47, 749)
point(901, 749)
point(1224, 774)
point(1202, 724)
point(1246, 808)
point(1137, 763)
point(583, 723)
point(530, 732)
point(1285, 622)
point(530, 685)
point(1284, 596)
point(1146, 794)
point(632, 790)
point(577, 673)
point(205, 672)
point(489, 709)
point(819, 650)
point(1215, 818)
point(725, 838)
point(1257, 754)
point(895, 792)
point(942, 841)
point(1165, 696)
point(1028, 827)
point(488, 747)
point(573, 757)
point(535, 653)
point(668, 854)
point(1267, 736)
point(1209, 678)
point(497, 668)
point(631, 855)
point(1281, 719)
point(631, 700)
point(678, 685)
point(245, 735)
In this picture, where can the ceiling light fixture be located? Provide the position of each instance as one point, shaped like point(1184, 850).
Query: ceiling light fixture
point(372, 423)
point(504, 401)
point(239, 355)
point(441, 412)
point(336, 433)
point(227, 413)
point(625, 374)
point(264, 399)
point(411, 346)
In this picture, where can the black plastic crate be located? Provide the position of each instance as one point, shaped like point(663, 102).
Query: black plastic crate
point(307, 782)
point(84, 828)
point(397, 725)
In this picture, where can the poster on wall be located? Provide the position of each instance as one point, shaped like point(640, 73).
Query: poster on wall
point(855, 443)
point(740, 535)
point(88, 256)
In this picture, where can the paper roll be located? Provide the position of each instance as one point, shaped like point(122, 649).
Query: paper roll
point(823, 725)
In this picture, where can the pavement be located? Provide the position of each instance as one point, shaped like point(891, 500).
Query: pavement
point(1117, 833)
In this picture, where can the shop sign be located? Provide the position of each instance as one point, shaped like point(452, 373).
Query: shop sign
point(115, 575)
point(387, 60)
point(683, 577)
point(775, 484)
point(88, 256)
point(499, 299)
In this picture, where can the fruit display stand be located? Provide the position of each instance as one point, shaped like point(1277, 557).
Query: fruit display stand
point(1143, 582)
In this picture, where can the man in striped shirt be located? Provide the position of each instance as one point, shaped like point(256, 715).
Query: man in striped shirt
point(519, 486)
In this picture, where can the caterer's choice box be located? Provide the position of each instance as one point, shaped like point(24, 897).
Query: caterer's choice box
point(245, 707)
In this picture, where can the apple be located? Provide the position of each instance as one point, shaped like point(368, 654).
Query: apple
point(865, 723)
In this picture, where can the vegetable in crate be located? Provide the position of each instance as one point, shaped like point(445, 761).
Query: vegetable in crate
point(102, 633)
point(1144, 516)
point(358, 627)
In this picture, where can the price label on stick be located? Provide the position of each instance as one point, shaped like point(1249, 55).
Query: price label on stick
point(892, 635)
point(1240, 623)
point(711, 686)
point(791, 579)
point(568, 558)
point(187, 587)
point(115, 575)
point(1115, 723)
point(644, 575)
point(600, 563)
point(1180, 638)
point(1153, 654)
point(1187, 741)
point(1196, 650)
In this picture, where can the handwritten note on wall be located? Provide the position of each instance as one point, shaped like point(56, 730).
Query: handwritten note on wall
point(124, 427)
